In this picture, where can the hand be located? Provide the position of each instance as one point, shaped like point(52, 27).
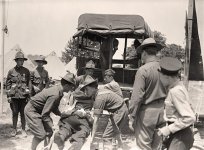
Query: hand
point(131, 121)
point(81, 113)
point(9, 100)
point(164, 131)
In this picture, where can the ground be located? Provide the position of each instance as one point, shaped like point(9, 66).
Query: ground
point(21, 143)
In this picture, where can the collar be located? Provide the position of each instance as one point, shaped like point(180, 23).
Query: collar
point(178, 82)
point(152, 59)
point(18, 67)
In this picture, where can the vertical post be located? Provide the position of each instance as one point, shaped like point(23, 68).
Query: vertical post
point(124, 58)
point(2, 53)
point(110, 52)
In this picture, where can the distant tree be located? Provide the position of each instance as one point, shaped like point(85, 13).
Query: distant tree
point(71, 49)
point(173, 50)
point(159, 38)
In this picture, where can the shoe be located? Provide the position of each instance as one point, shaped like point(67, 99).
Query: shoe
point(14, 132)
point(23, 133)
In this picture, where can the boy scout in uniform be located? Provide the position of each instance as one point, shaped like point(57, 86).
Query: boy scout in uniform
point(18, 88)
point(38, 109)
point(110, 82)
point(76, 123)
point(178, 111)
point(147, 100)
point(89, 70)
point(39, 77)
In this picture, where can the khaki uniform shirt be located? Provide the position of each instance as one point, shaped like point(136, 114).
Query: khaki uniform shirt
point(107, 100)
point(47, 101)
point(114, 86)
point(147, 86)
point(178, 109)
point(40, 78)
point(18, 83)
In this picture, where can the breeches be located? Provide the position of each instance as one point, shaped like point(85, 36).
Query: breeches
point(18, 105)
point(181, 140)
point(121, 120)
point(78, 131)
point(34, 121)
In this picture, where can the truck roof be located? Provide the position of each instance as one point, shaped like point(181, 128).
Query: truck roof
point(119, 26)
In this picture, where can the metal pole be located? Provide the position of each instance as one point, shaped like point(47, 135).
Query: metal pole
point(2, 53)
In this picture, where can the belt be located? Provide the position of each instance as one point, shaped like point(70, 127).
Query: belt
point(155, 101)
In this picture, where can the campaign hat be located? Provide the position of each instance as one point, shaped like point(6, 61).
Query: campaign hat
point(90, 65)
point(88, 80)
point(69, 77)
point(147, 43)
point(20, 55)
point(41, 58)
point(109, 72)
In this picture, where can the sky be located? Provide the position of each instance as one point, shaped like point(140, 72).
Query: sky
point(43, 26)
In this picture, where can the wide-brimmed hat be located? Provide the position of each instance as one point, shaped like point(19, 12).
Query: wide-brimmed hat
point(170, 65)
point(41, 58)
point(109, 72)
point(90, 65)
point(88, 80)
point(149, 42)
point(69, 77)
point(20, 55)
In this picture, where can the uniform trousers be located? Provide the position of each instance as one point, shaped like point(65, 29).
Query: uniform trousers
point(181, 140)
point(150, 117)
point(35, 123)
point(17, 106)
point(120, 117)
point(75, 128)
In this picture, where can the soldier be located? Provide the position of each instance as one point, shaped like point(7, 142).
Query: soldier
point(76, 123)
point(147, 100)
point(39, 77)
point(178, 111)
point(38, 109)
point(18, 88)
point(89, 70)
point(113, 103)
point(110, 82)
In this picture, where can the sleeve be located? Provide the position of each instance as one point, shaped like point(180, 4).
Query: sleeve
point(187, 116)
point(49, 105)
point(99, 104)
point(8, 81)
point(32, 76)
point(138, 93)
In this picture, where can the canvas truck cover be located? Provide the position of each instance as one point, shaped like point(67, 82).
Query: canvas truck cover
point(117, 25)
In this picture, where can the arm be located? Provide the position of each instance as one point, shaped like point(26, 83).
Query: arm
point(8, 84)
point(187, 116)
point(47, 82)
point(95, 126)
point(138, 93)
point(48, 108)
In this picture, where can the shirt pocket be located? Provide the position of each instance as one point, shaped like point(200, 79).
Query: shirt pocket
point(14, 77)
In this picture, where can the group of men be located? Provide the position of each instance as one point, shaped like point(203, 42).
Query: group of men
point(158, 108)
